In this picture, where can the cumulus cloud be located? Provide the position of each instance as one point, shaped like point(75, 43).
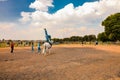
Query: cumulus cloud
point(68, 21)
point(41, 5)
point(25, 17)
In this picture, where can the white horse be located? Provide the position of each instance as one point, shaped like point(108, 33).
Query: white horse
point(46, 48)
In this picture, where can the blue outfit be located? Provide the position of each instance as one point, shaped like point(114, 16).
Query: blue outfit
point(39, 49)
point(48, 37)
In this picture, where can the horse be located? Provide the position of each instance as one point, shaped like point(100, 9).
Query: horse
point(46, 48)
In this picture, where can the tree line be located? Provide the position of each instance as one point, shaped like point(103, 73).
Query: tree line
point(87, 38)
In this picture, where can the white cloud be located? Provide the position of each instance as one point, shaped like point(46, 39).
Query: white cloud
point(41, 5)
point(66, 22)
point(25, 17)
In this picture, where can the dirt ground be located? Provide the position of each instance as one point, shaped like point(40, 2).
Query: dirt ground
point(65, 62)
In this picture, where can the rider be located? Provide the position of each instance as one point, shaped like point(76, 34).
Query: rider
point(48, 37)
point(48, 43)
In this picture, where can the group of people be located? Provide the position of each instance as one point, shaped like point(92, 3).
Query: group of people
point(38, 46)
point(46, 46)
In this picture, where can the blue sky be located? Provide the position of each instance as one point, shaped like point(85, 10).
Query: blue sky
point(10, 9)
point(26, 19)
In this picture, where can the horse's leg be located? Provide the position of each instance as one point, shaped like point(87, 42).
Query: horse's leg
point(43, 51)
point(49, 51)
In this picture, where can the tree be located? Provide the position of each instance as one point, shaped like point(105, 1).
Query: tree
point(92, 37)
point(89, 38)
point(112, 27)
point(102, 37)
point(86, 38)
point(75, 38)
point(57, 40)
point(66, 39)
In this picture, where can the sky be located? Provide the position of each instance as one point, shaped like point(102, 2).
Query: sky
point(26, 19)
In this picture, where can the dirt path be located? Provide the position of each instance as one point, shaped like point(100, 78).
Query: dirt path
point(66, 62)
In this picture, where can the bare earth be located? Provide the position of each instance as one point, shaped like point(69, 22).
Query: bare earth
point(66, 62)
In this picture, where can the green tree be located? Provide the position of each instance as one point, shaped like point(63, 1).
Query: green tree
point(57, 40)
point(112, 27)
point(75, 38)
point(89, 38)
point(66, 39)
point(102, 37)
point(86, 38)
point(92, 37)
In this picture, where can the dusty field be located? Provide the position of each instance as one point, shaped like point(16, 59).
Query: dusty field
point(66, 62)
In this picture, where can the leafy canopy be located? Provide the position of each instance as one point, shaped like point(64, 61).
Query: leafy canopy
point(112, 27)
